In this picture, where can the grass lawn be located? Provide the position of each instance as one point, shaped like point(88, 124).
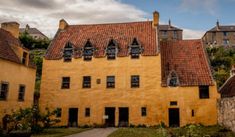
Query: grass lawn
point(139, 132)
point(188, 131)
point(59, 132)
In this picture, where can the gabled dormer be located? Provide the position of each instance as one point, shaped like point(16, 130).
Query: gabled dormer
point(111, 50)
point(68, 52)
point(172, 80)
point(135, 49)
point(88, 51)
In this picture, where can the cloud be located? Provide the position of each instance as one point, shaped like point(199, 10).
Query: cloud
point(192, 34)
point(199, 6)
point(45, 14)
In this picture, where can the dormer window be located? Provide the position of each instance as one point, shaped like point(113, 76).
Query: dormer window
point(68, 52)
point(111, 50)
point(24, 58)
point(88, 51)
point(135, 49)
point(173, 80)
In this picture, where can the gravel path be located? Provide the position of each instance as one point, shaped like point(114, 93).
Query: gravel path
point(97, 132)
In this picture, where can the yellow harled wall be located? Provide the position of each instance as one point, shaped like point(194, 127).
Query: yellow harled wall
point(150, 94)
point(16, 74)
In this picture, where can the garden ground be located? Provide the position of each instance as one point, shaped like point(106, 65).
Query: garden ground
point(60, 132)
point(188, 131)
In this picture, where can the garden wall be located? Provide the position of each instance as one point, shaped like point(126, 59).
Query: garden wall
point(226, 115)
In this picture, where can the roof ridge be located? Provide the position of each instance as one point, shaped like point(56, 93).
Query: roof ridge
point(111, 23)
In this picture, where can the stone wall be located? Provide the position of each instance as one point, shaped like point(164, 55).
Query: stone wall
point(226, 110)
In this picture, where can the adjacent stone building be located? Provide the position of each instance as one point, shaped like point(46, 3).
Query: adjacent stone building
point(17, 73)
point(169, 32)
point(114, 74)
point(227, 103)
point(220, 35)
point(34, 32)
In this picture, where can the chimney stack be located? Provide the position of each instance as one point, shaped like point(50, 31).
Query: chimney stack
point(12, 27)
point(27, 27)
point(155, 19)
point(63, 24)
point(217, 25)
point(232, 72)
point(170, 23)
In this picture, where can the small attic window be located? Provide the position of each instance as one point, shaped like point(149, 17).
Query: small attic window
point(135, 49)
point(173, 80)
point(111, 50)
point(88, 51)
point(68, 52)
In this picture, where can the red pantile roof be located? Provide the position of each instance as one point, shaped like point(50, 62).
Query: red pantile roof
point(6, 52)
point(188, 59)
point(100, 35)
point(228, 89)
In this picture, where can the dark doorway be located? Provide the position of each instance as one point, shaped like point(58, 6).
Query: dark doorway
point(73, 117)
point(174, 117)
point(110, 113)
point(123, 117)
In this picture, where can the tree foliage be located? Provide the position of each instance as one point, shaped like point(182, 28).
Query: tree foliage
point(30, 43)
point(222, 59)
point(30, 119)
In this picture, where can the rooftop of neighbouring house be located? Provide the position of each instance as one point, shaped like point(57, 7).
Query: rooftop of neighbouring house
point(30, 30)
point(228, 88)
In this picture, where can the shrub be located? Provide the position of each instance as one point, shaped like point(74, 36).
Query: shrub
point(132, 126)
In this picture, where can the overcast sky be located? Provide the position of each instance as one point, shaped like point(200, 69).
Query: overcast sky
point(194, 16)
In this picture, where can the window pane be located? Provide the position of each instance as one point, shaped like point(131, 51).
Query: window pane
point(87, 82)
point(135, 81)
point(143, 111)
point(87, 112)
point(204, 92)
point(4, 91)
point(21, 93)
point(110, 81)
point(65, 83)
point(58, 112)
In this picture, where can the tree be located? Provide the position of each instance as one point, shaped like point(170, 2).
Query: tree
point(30, 43)
point(222, 59)
point(30, 119)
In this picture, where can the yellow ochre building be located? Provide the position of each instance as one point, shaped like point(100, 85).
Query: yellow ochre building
point(17, 72)
point(118, 74)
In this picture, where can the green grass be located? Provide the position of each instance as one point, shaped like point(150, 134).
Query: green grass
point(60, 132)
point(188, 131)
point(139, 132)
point(201, 131)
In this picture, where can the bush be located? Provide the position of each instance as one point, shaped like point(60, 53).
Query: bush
point(29, 119)
point(132, 126)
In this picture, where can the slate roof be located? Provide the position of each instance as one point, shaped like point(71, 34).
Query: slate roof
point(230, 28)
point(188, 59)
point(6, 51)
point(32, 31)
point(168, 28)
point(100, 35)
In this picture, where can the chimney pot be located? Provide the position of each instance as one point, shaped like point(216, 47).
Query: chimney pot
point(217, 25)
